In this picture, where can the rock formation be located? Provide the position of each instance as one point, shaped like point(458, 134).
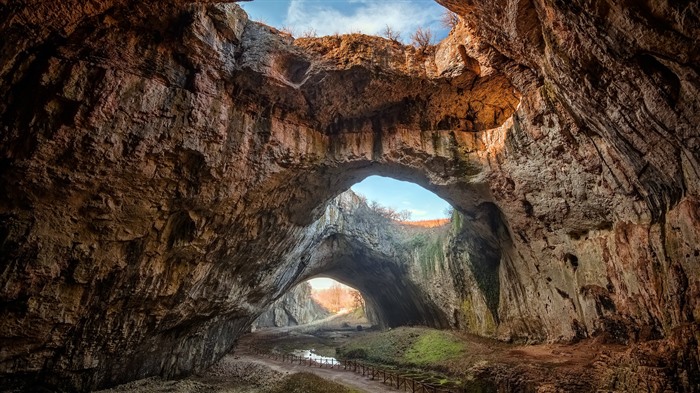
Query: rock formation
point(296, 307)
point(167, 169)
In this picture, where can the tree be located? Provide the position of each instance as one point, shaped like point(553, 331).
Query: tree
point(391, 34)
point(449, 19)
point(404, 215)
point(358, 302)
point(336, 297)
point(309, 33)
point(287, 30)
point(449, 210)
point(422, 38)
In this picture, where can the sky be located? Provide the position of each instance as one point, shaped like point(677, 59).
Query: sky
point(327, 17)
point(322, 282)
point(401, 195)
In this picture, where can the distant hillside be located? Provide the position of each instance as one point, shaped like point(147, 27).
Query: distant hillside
point(427, 223)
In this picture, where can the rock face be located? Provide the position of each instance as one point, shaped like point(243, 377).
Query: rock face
point(168, 168)
point(296, 307)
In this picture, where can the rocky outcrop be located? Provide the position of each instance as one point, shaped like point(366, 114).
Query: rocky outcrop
point(294, 308)
point(167, 170)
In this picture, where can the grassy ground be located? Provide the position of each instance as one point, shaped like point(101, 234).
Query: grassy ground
point(405, 346)
point(424, 354)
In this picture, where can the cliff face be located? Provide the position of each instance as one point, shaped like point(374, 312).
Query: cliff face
point(295, 307)
point(167, 170)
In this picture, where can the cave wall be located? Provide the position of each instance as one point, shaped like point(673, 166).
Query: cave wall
point(166, 167)
point(294, 308)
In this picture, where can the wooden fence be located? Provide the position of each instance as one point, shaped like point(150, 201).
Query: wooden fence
point(391, 378)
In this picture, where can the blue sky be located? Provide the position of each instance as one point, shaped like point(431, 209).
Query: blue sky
point(328, 17)
point(323, 283)
point(401, 195)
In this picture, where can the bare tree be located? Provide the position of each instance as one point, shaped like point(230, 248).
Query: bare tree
point(422, 38)
point(336, 297)
point(309, 33)
point(449, 19)
point(391, 34)
point(288, 30)
point(389, 213)
point(404, 215)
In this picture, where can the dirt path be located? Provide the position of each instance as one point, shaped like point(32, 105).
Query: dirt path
point(346, 378)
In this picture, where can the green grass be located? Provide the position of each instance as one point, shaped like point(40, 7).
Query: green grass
point(423, 353)
point(434, 347)
point(404, 346)
point(310, 383)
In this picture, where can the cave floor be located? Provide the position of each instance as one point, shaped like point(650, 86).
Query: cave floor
point(491, 365)
point(483, 364)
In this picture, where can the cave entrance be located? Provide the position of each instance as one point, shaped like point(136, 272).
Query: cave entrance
point(318, 301)
point(396, 258)
point(400, 19)
point(403, 201)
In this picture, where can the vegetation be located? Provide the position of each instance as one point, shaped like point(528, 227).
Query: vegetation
point(391, 34)
point(385, 211)
point(310, 383)
point(449, 19)
point(338, 297)
point(309, 33)
point(404, 346)
point(433, 347)
point(422, 38)
point(421, 353)
point(390, 213)
point(288, 30)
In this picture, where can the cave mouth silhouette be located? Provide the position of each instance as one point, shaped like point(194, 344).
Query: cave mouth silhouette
point(307, 19)
point(362, 246)
point(312, 302)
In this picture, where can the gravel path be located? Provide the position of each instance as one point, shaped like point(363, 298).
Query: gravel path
point(346, 378)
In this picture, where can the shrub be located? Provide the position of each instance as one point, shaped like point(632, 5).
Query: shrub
point(449, 19)
point(422, 38)
point(391, 34)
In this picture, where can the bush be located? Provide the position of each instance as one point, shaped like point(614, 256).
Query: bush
point(449, 19)
point(357, 353)
point(422, 38)
point(391, 34)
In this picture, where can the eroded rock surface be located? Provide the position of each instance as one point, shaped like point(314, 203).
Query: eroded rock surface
point(296, 307)
point(167, 168)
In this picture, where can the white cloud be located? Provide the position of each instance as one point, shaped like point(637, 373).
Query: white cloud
point(417, 212)
point(368, 17)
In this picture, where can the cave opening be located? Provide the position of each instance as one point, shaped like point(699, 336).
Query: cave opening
point(397, 259)
point(306, 19)
point(319, 300)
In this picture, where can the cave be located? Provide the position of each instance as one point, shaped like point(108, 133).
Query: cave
point(169, 169)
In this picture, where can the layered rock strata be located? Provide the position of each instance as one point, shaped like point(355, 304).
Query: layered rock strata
point(166, 170)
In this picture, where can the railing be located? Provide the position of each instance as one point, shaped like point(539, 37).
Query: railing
point(391, 378)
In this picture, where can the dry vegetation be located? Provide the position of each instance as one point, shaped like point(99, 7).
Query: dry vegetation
point(338, 297)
